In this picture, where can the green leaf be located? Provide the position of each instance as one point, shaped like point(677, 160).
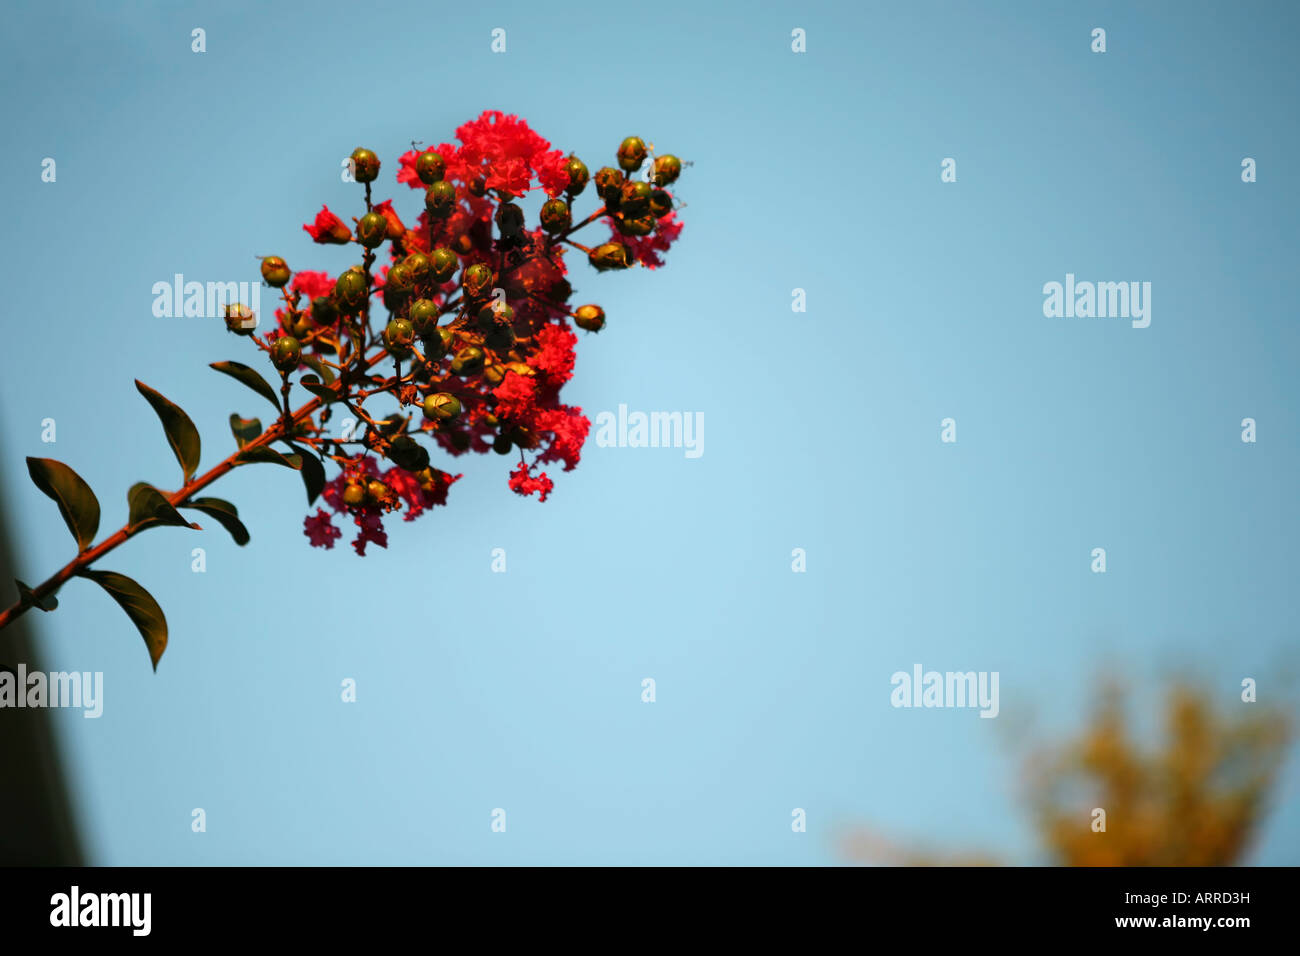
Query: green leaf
point(149, 507)
point(318, 388)
point(140, 607)
point(251, 378)
point(244, 429)
point(313, 473)
point(314, 363)
point(225, 514)
point(181, 433)
point(261, 453)
point(29, 598)
point(77, 503)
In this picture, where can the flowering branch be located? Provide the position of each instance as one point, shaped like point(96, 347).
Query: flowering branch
point(489, 378)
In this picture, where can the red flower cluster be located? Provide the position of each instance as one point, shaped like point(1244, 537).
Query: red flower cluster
point(479, 315)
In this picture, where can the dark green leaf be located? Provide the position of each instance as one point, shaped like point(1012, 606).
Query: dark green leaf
point(226, 514)
point(47, 603)
point(262, 453)
point(77, 503)
point(405, 452)
point(318, 388)
point(140, 607)
point(314, 363)
point(149, 507)
point(181, 433)
point(313, 474)
point(249, 377)
point(244, 429)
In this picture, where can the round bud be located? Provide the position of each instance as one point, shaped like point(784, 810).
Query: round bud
point(667, 169)
point(478, 186)
point(372, 229)
point(365, 165)
point(578, 175)
point(556, 216)
point(424, 316)
point(494, 375)
point(510, 219)
point(468, 361)
point(589, 317)
point(302, 327)
point(400, 279)
point(440, 199)
point(441, 407)
point(286, 353)
point(442, 263)
point(610, 255)
point(631, 153)
point(430, 167)
point(376, 490)
point(661, 204)
point(638, 226)
point(240, 319)
point(490, 314)
point(476, 280)
point(634, 198)
point(439, 342)
point(399, 336)
point(350, 290)
point(609, 183)
point(323, 310)
point(500, 338)
point(502, 444)
point(418, 267)
point(275, 271)
point(354, 494)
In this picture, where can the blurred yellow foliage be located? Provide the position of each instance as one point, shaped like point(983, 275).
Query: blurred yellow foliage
point(1195, 799)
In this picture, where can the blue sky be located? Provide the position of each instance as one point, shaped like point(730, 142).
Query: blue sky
point(818, 171)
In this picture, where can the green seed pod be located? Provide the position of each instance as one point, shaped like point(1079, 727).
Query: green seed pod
point(468, 361)
point(350, 291)
point(442, 407)
point(275, 271)
point(478, 186)
point(376, 490)
point(489, 315)
point(418, 267)
point(477, 280)
point(589, 317)
point(430, 167)
point(399, 336)
point(443, 264)
point(667, 169)
point(424, 317)
point(354, 494)
point(501, 339)
point(631, 153)
point(439, 343)
point(286, 353)
point(408, 454)
point(400, 280)
point(365, 165)
point(502, 445)
point(609, 184)
point(610, 255)
point(323, 310)
point(302, 327)
point(578, 175)
point(440, 199)
point(372, 229)
point(556, 216)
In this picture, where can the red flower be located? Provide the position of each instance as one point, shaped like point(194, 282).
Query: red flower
point(372, 532)
point(523, 483)
point(554, 357)
point(395, 228)
point(328, 228)
point(320, 531)
point(312, 284)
